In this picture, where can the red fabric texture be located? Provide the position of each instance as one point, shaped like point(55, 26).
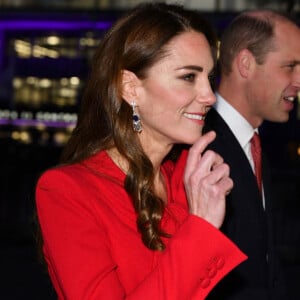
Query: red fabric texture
point(93, 249)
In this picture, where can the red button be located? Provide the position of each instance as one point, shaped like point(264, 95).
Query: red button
point(211, 272)
point(205, 283)
point(220, 263)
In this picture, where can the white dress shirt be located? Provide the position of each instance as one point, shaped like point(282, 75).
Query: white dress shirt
point(240, 127)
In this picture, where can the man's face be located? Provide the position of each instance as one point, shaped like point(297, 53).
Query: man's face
point(276, 82)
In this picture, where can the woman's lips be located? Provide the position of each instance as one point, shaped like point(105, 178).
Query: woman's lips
point(196, 117)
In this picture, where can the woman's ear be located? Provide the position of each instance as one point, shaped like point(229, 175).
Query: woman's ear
point(245, 62)
point(129, 86)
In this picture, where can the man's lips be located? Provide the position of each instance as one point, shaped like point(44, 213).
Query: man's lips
point(290, 98)
point(289, 102)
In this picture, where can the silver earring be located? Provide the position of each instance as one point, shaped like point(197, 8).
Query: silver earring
point(136, 121)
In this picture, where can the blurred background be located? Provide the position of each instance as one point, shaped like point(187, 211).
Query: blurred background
point(45, 51)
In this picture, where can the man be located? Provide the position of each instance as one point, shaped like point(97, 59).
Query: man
point(260, 80)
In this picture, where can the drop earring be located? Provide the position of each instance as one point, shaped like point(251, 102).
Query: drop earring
point(136, 121)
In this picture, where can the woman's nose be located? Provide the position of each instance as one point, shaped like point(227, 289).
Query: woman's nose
point(206, 95)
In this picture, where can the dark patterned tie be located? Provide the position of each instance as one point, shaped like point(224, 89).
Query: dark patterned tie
point(256, 155)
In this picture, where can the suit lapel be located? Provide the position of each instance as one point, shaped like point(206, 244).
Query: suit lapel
point(229, 148)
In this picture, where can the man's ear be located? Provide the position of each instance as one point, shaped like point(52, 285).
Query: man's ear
point(245, 62)
point(129, 86)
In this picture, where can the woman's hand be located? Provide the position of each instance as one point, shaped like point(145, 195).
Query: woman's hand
point(207, 181)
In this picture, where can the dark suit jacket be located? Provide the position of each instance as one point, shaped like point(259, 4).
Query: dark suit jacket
point(247, 223)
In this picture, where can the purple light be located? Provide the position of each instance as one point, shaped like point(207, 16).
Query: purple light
point(4, 122)
point(50, 24)
point(1, 48)
point(35, 123)
point(17, 24)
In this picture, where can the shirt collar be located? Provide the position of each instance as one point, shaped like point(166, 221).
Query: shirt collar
point(240, 127)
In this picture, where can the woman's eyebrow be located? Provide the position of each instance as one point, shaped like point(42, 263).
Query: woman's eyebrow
point(191, 67)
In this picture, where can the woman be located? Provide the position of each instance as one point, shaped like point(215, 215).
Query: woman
point(119, 219)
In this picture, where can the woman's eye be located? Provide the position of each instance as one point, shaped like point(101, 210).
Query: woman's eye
point(189, 77)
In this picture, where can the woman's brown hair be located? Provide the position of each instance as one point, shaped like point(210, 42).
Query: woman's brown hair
point(134, 43)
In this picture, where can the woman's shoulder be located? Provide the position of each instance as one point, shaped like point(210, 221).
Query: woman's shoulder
point(60, 176)
point(98, 165)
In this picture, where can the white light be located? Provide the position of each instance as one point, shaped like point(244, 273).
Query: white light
point(45, 83)
point(74, 81)
point(17, 83)
point(26, 115)
point(53, 40)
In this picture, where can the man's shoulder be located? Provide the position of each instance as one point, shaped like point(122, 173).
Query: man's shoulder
point(214, 121)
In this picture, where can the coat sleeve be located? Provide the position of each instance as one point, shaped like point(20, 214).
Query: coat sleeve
point(197, 257)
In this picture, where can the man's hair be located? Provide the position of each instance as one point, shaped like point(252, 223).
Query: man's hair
point(253, 30)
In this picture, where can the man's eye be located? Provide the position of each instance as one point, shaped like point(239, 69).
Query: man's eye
point(189, 77)
point(291, 66)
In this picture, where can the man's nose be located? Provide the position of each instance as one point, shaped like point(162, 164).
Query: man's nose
point(296, 78)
